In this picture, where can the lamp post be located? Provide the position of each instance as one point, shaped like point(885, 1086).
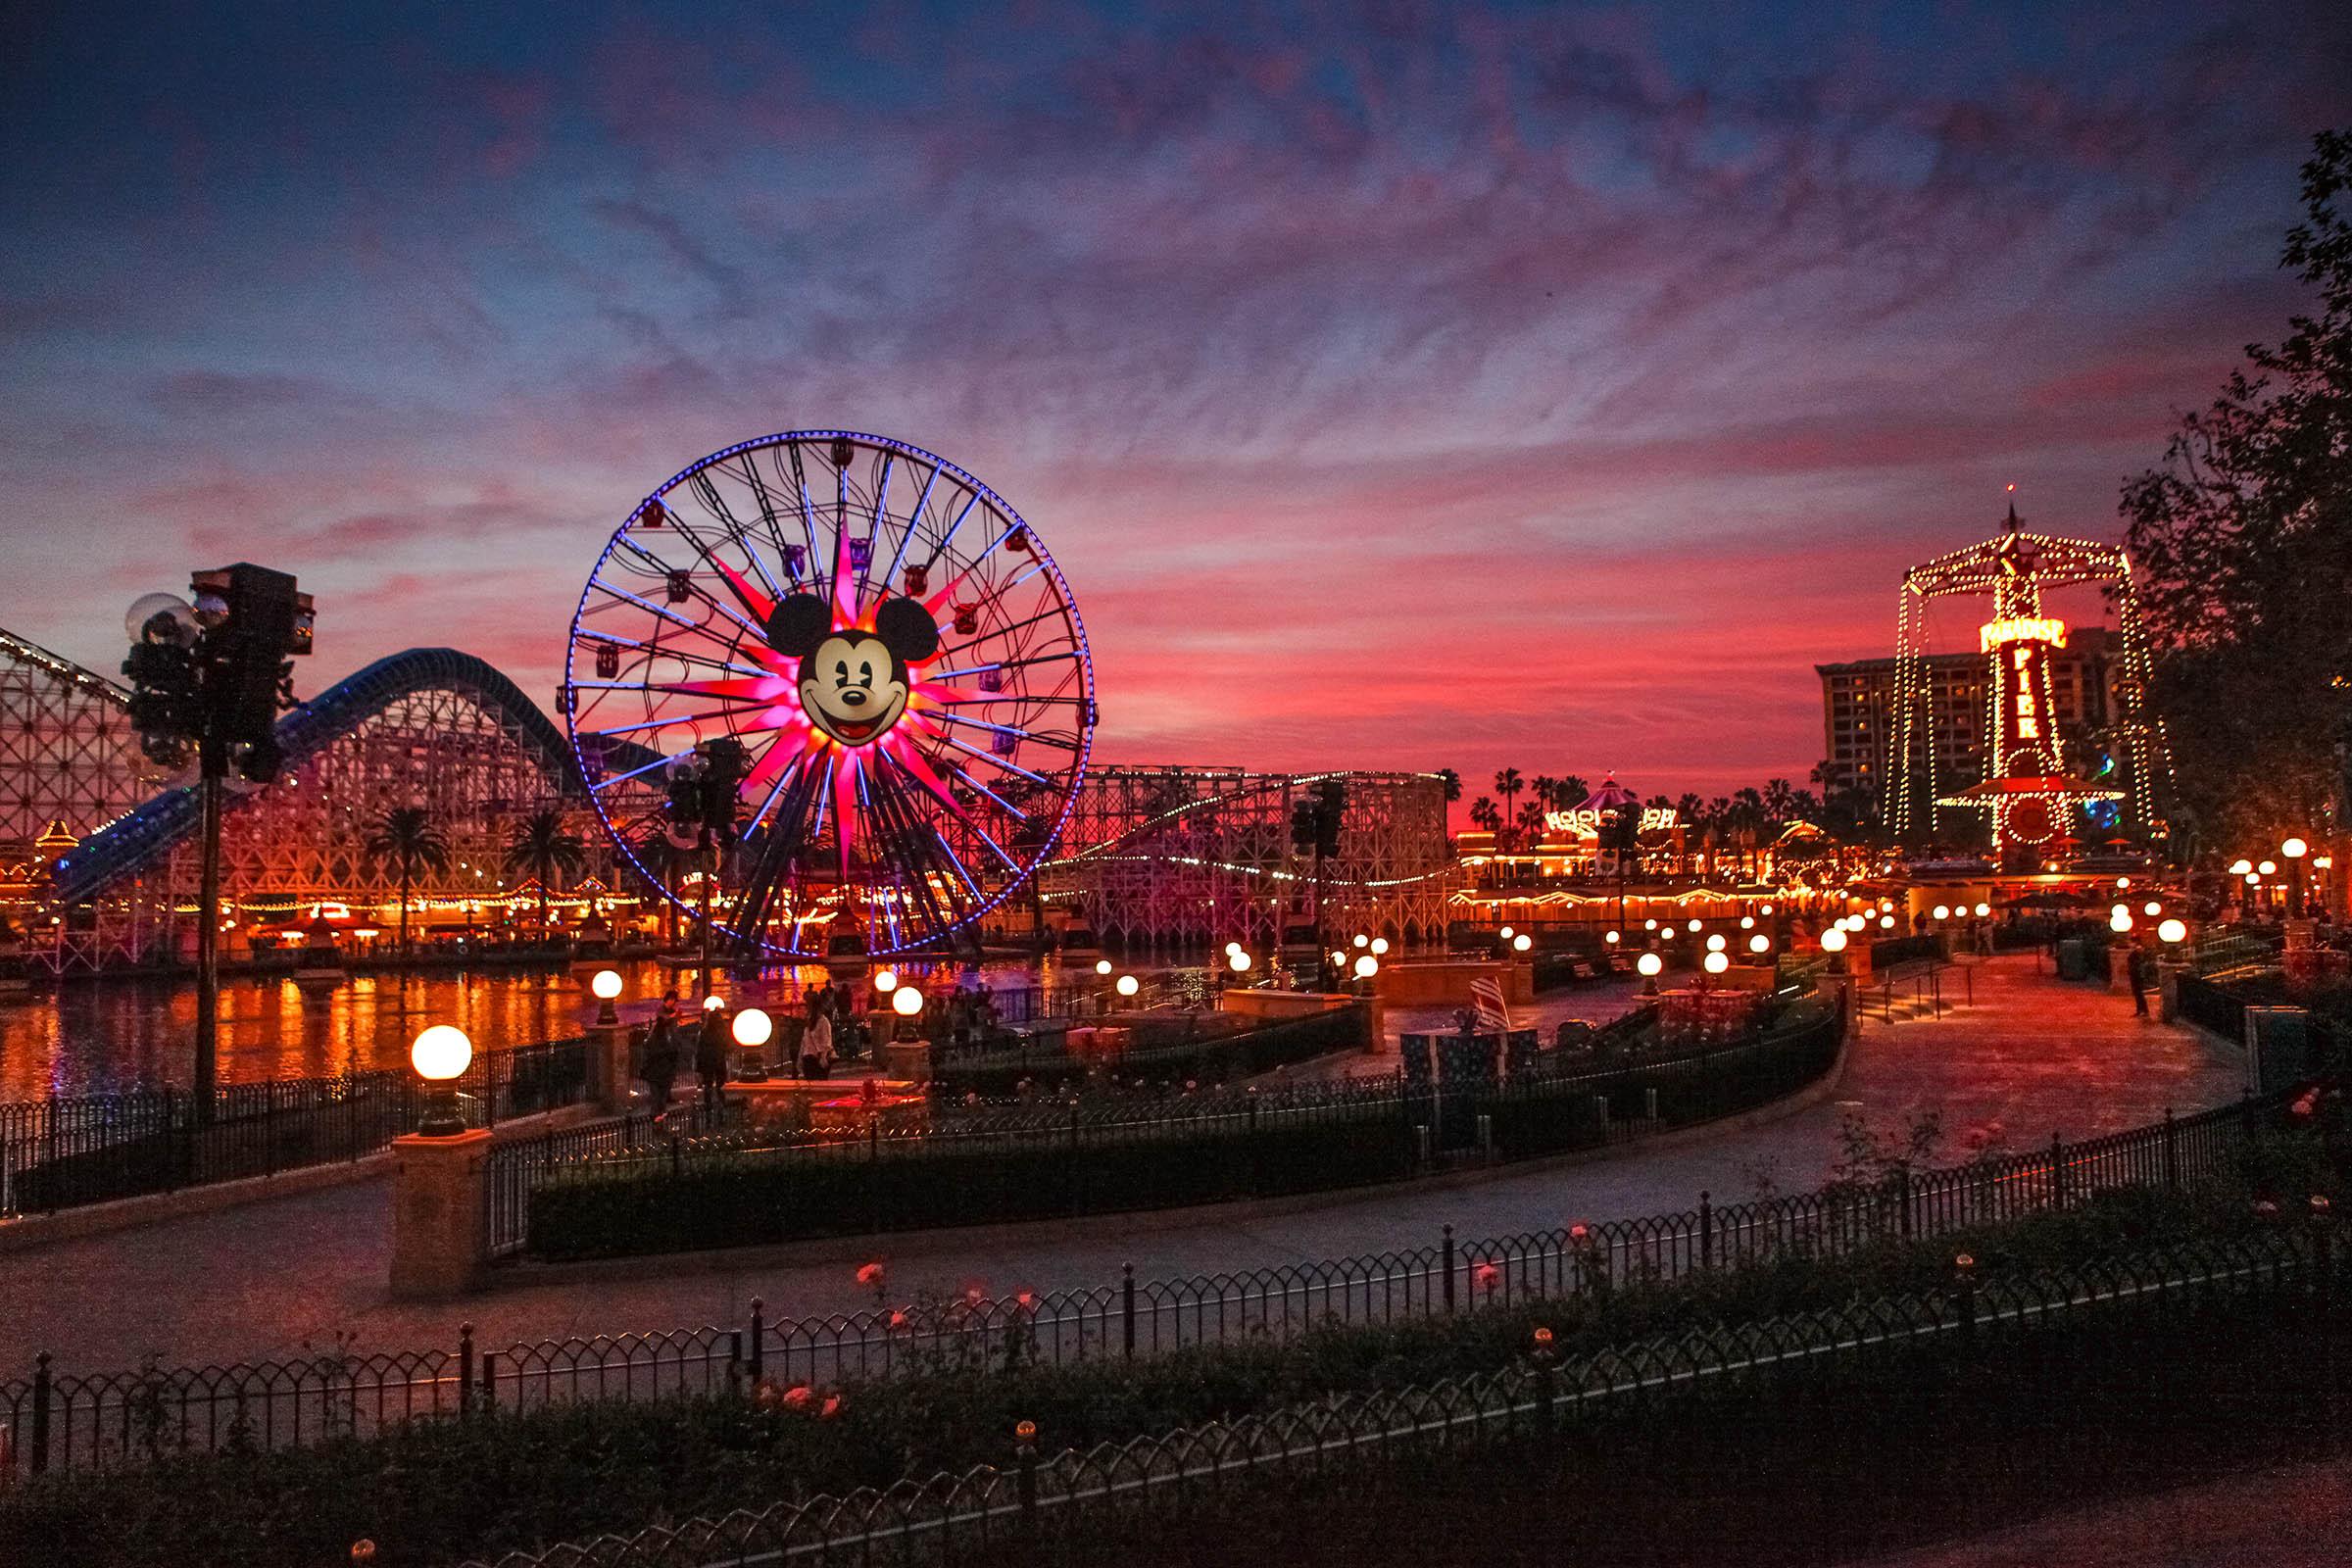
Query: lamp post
point(2294, 849)
point(606, 987)
point(440, 1056)
point(753, 1028)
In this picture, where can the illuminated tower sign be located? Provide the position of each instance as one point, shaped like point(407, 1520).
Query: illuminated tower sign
point(2026, 789)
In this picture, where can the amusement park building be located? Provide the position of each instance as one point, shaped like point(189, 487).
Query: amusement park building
point(1857, 707)
point(1167, 860)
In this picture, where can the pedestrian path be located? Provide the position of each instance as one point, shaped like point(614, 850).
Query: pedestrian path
point(2029, 1057)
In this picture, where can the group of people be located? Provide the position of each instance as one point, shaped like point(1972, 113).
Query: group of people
point(673, 1038)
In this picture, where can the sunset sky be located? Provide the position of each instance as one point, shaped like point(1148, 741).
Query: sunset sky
point(1398, 385)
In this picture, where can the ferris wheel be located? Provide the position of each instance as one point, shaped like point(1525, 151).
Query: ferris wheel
point(876, 649)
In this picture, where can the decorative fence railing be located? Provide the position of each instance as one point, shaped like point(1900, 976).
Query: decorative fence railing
point(1212, 1047)
point(948, 1516)
point(67, 1152)
point(2211, 1005)
point(1116, 1155)
point(57, 1420)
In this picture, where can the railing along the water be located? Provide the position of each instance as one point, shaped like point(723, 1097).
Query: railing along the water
point(67, 1152)
point(56, 1419)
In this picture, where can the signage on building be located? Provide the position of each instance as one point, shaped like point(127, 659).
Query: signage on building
point(1584, 823)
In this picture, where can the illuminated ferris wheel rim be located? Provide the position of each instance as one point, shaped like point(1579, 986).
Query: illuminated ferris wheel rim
point(980, 493)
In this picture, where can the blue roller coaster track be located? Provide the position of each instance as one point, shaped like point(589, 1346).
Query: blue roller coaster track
point(143, 836)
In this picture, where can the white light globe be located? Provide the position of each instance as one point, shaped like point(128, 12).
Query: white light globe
point(1649, 925)
point(1129, 985)
point(713, 1003)
point(1611, 938)
point(1522, 941)
point(1747, 922)
point(1506, 933)
point(1717, 963)
point(1232, 947)
point(907, 1001)
point(1983, 909)
point(1764, 908)
point(606, 985)
point(2294, 849)
point(2240, 866)
point(1380, 947)
point(2119, 909)
point(1366, 967)
point(1238, 961)
point(753, 1028)
point(1363, 941)
point(1649, 963)
point(1666, 934)
point(441, 1053)
point(2173, 931)
point(1101, 966)
point(2268, 869)
point(2120, 923)
point(1833, 940)
point(1759, 943)
point(2252, 880)
point(2121, 882)
point(1943, 911)
point(1695, 925)
point(886, 981)
point(2151, 908)
point(1886, 922)
point(1715, 943)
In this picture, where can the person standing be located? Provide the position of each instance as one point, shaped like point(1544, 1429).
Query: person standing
point(661, 1051)
point(710, 1053)
point(2138, 966)
point(816, 1046)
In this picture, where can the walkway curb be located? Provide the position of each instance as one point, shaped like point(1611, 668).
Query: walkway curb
point(33, 1231)
point(912, 1246)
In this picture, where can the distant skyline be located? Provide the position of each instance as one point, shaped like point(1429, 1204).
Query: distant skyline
point(1398, 386)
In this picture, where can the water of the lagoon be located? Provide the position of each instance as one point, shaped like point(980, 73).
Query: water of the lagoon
point(93, 1037)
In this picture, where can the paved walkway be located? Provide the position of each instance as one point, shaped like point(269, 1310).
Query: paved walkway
point(2030, 1057)
point(2285, 1516)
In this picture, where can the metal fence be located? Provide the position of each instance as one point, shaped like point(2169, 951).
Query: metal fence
point(1560, 1104)
point(60, 1420)
point(65, 1153)
point(951, 1515)
point(2212, 1007)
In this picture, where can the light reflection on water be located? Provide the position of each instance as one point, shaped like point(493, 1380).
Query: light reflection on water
point(93, 1037)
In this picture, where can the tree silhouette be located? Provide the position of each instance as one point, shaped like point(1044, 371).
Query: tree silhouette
point(545, 849)
point(407, 843)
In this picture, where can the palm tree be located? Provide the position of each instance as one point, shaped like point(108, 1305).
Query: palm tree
point(1573, 790)
point(1547, 791)
point(1508, 784)
point(1453, 784)
point(545, 849)
point(1483, 815)
point(1778, 799)
point(1689, 809)
point(662, 861)
point(1531, 821)
point(407, 843)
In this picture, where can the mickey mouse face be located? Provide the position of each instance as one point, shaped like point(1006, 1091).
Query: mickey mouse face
point(853, 683)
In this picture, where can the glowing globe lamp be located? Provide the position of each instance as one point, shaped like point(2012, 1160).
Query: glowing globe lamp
point(713, 1003)
point(1101, 966)
point(2120, 921)
point(1363, 941)
point(1833, 940)
point(1717, 962)
point(2173, 931)
point(907, 1001)
point(1129, 985)
point(1886, 922)
point(2294, 849)
point(1747, 922)
point(1649, 925)
point(1522, 941)
point(1943, 911)
point(440, 1056)
point(1695, 925)
point(1764, 908)
point(2268, 869)
point(1506, 933)
point(2240, 866)
point(605, 987)
point(1983, 909)
point(1239, 959)
point(1366, 967)
point(886, 981)
point(2151, 908)
point(1759, 943)
point(754, 1028)
point(1715, 943)
point(1611, 939)
point(1380, 946)
point(1651, 965)
point(1232, 947)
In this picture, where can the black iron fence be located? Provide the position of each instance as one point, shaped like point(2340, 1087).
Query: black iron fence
point(1114, 1156)
point(2213, 1006)
point(56, 1419)
point(2277, 1276)
point(65, 1153)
